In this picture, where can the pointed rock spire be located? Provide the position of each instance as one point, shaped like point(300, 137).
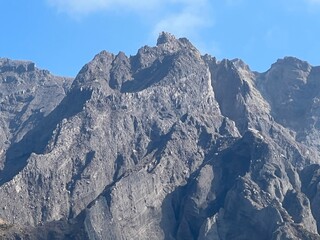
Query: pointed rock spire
point(165, 37)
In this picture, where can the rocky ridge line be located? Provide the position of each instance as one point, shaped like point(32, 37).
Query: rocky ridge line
point(166, 144)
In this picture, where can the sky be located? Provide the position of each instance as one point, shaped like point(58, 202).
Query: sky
point(63, 35)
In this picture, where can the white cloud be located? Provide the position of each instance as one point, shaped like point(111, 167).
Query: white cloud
point(188, 20)
point(183, 18)
point(180, 24)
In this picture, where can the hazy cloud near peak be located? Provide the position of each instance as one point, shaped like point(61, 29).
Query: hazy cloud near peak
point(180, 17)
point(187, 20)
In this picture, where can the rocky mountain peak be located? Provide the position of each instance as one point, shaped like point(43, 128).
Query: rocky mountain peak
point(291, 63)
point(168, 43)
point(166, 144)
point(165, 37)
point(240, 64)
point(95, 74)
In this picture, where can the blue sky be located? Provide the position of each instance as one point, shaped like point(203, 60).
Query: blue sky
point(63, 35)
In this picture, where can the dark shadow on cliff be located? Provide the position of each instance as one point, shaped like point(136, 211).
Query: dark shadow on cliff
point(181, 217)
point(36, 140)
point(148, 76)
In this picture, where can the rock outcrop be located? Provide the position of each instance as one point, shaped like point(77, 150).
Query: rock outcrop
point(166, 144)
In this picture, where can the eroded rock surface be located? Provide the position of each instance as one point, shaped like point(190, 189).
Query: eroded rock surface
point(166, 144)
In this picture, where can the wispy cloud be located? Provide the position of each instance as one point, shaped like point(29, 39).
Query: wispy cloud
point(180, 17)
point(183, 23)
point(187, 20)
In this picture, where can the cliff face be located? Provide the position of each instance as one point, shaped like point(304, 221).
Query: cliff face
point(166, 144)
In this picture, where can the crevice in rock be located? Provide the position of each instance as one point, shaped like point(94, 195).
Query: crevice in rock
point(118, 164)
point(106, 193)
point(79, 168)
point(158, 144)
point(204, 137)
point(310, 182)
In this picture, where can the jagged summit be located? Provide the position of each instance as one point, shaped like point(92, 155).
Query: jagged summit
point(293, 62)
point(135, 73)
point(240, 63)
point(166, 144)
point(169, 43)
point(165, 37)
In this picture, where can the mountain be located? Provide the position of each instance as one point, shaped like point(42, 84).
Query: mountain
point(166, 144)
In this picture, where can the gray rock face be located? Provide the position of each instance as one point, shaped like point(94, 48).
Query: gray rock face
point(166, 144)
point(27, 95)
